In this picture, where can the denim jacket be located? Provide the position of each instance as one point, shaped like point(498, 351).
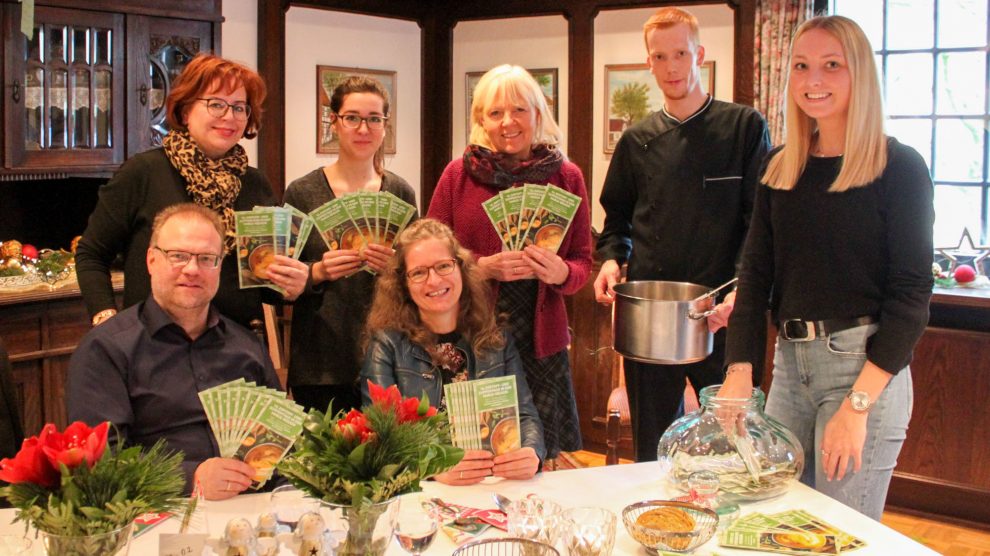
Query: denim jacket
point(392, 358)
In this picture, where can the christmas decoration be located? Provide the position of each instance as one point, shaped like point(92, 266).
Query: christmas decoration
point(964, 274)
point(955, 252)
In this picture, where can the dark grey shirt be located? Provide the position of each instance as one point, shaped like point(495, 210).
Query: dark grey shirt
point(328, 320)
point(140, 371)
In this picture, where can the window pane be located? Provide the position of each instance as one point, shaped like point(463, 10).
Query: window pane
point(102, 91)
point(961, 87)
point(915, 133)
point(909, 84)
point(56, 51)
point(34, 105)
point(868, 14)
point(103, 53)
point(959, 150)
point(955, 208)
point(962, 23)
point(80, 109)
point(910, 24)
point(80, 46)
point(57, 109)
point(35, 45)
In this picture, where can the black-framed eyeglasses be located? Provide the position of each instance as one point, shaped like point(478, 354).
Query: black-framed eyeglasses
point(180, 259)
point(353, 121)
point(421, 273)
point(217, 107)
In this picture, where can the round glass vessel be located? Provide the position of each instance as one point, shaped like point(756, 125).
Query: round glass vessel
point(754, 456)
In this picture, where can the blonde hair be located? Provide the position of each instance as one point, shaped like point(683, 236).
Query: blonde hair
point(665, 18)
point(515, 85)
point(865, 149)
point(186, 210)
point(393, 307)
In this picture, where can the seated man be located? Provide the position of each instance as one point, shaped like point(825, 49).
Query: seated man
point(143, 369)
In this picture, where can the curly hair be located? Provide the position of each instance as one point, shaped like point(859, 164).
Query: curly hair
point(393, 307)
point(198, 78)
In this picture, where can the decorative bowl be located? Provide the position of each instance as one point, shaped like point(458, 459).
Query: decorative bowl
point(673, 538)
point(506, 547)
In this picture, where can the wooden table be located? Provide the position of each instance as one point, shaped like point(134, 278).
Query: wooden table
point(611, 487)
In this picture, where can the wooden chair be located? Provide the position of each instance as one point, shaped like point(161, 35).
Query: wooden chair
point(275, 333)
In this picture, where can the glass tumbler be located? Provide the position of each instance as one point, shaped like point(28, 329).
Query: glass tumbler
point(535, 519)
point(588, 531)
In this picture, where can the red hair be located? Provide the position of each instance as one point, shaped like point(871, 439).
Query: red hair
point(200, 76)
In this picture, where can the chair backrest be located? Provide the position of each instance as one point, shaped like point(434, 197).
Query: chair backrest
point(278, 334)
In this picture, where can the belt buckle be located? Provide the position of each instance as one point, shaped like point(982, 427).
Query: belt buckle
point(795, 330)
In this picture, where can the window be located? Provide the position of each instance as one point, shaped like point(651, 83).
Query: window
point(933, 57)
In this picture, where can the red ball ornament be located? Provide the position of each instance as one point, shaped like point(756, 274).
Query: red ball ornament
point(964, 274)
point(29, 251)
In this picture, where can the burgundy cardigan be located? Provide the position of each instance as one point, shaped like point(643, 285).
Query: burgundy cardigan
point(457, 202)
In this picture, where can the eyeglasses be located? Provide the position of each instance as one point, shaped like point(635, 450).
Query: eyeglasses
point(180, 259)
point(421, 273)
point(353, 121)
point(217, 107)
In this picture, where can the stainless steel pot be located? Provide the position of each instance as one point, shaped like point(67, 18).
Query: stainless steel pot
point(663, 322)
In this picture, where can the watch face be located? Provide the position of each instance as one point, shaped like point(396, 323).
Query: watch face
point(860, 401)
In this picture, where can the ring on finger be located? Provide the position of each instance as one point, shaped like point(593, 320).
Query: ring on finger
point(460, 474)
point(228, 486)
point(825, 452)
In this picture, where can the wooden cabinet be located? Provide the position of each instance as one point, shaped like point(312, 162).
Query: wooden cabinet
point(159, 49)
point(87, 89)
point(65, 84)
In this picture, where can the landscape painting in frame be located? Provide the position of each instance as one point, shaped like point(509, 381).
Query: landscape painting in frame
point(327, 78)
point(545, 77)
point(632, 94)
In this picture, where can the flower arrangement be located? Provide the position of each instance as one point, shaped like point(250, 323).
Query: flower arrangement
point(369, 456)
point(68, 484)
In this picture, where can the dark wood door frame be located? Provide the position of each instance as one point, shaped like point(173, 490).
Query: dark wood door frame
point(437, 21)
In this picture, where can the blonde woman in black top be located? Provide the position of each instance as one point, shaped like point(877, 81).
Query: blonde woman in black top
point(841, 245)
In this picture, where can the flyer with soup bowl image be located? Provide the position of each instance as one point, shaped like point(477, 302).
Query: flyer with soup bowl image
point(532, 214)
point(484, 414)
point(789, 532)
point(256, 247)
point(252, 423)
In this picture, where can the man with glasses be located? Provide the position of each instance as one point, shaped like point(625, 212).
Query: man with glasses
point(143, 369)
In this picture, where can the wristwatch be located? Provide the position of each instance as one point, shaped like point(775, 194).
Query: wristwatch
point(859, 400)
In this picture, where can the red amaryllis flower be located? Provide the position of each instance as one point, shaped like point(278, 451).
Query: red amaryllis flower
point(76, 444)
point(30, 465)
point(390, 396)
point(408, 409)
point(354, 426)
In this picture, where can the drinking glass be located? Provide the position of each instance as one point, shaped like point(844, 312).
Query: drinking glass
point(588, 531)
point(289, 504)
point(535, 518)
point(416, 524)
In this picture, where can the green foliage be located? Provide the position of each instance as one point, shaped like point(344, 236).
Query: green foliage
point(631, 102)
point(391, 462)
point(122, 485)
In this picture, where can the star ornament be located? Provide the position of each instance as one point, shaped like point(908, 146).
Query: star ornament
point(955, 252)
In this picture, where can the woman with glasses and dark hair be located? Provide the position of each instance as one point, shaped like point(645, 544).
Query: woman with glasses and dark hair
point(514, 141)
point(328, 319)
point(432, 323)
point(212, 105)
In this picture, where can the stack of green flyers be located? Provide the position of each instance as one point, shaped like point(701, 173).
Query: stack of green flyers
point(252, 423)
point(790, 532)
point(532, 215)
point(264, 232)
point(353, 221)
point(484, 414)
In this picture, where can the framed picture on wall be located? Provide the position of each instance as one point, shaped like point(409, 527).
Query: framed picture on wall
point(632, 94)
point(327, 78)
point(546, 77)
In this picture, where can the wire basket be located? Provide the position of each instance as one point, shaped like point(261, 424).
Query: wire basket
point(506, 547)
point(676, 538)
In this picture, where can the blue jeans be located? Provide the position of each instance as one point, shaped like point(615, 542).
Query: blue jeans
point(810, 382)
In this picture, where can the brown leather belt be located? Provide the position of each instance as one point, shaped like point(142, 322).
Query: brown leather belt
point(797, 330)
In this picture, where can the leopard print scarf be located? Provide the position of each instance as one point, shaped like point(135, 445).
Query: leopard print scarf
point(215, 184)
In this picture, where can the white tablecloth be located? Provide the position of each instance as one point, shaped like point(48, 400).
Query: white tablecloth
point(612, 487)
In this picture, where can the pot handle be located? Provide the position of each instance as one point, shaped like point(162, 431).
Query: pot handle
point(709, 294)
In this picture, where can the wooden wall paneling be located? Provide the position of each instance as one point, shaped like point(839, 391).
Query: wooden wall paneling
point(580, 93)
point(186, 9)
point(436, 101)
point(271, 67)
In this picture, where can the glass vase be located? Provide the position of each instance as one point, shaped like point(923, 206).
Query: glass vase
point(369, 527)
point(754, 456)
point(113, 543)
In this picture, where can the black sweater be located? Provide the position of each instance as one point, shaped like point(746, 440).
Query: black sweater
point(121, 223)
point(817, 255)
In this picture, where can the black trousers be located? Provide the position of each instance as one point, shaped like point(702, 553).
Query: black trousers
point(344, 396)
point(656, 394)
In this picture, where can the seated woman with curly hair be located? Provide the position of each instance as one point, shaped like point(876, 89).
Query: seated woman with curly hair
point(431, 324)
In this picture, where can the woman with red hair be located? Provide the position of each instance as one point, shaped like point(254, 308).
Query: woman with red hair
point(212, 105)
